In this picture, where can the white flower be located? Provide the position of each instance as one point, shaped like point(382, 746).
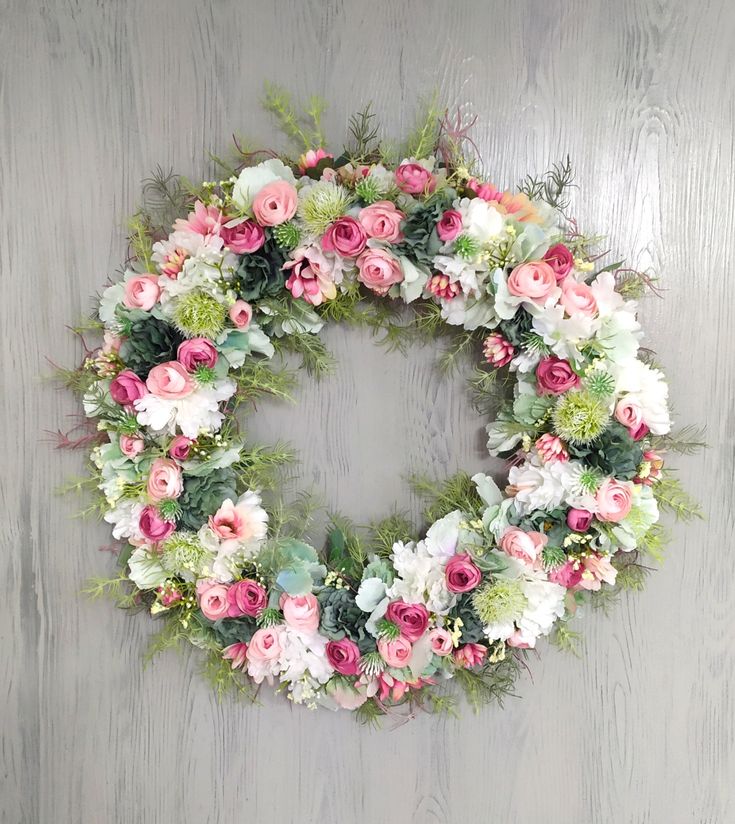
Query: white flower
point(370, 593)
point(146, 571)
point(203, 273)
point(442, 536)
point(420, 578)
point(254, 178)
point(539, 486)
point(414, 280)
point(643, 515)
point(460, 271)
point(303, 655)
point(193, 414)
point(125, 517)
point(479, 219)
point(469, 312)
point(564, 335)
point(109, 301)
point(648, 388)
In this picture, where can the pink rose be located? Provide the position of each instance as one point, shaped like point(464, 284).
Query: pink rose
point(414, 179)
point(579, 519)
point(241, 313)
point(196, 352)
point(395, 653)
point(449, 225)
point(301, 612)
point(561, 261)
point(212, 599)
point(246, 597)
point(461, 574)
point(378, 270)
point(141, 292)
point(265, 645)
point(526, 546)
point(131, 445)
point(164, 480)
point(344, 656)
point(628, 411)
point(152, 525)
point(245, 238)
point(614, 500)
point(170, 381)
point(567, 575)
point(382, 221)
point(554, 376)
point(440, 641)
point(345, 236)
point(180, 447)
point(578, 299)
point(126, 388)
point(275, 203)
point(535, 281)
point(412, 619)
point(637, 433)
point(470, 655)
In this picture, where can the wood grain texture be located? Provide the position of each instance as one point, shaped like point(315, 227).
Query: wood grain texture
point(92, 96)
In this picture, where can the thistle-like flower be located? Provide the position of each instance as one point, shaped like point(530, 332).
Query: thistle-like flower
point(198, 314)
point(500, 601)
point(466, 246)
point(183, 552)
point(287, 235)
point(321, 204)
point(580, 417)
point(368, 190)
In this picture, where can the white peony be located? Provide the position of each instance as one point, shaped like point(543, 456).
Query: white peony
point(420, 577)
point(539, 486)
point(304, 659)
point(480, 219)
point(193, 414)
point(254, 178)
point(442, 536)
point(125, 517)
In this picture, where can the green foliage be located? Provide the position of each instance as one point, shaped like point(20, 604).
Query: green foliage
point(255, 378)
point(203, 495)
point(460, 348)
point(303, 127)
point(166, 197)
point(316, 359)
point(118, 589)
point(364, 147)
point(341, 617)
point(261, 467)
point(672, 497)
point(553, 557)
point(370, 714)
point(614, 452)
point(385, 533)
point(140, 240)
point(422, 140)
point(261, 274)
point(552, 186)
point(566, 639)
point(345, 551)
point(685, 441)
point(654, 542)
point(149, 342)
point(198, 314)
point(472, 626)
point(223, 679)
point(458, 492)
point(491, 682)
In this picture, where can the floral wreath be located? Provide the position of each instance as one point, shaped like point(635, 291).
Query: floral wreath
point(254, 266)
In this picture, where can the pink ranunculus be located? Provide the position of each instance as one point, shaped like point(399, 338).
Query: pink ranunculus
point(561, 261)
point(153, 527)
point(141, 292)
point(126, 388)
point(246, 597)
point(414, 179)
point(237, 653)
point(578, 299)
point(212, 599)
point(196, 352)
point(241, 313)
point(498, 351)
point(579, 519)
point(164, 480)
point(516, 641)
point(131, 445)
point(461, 573)
point(614, 500)
point(525, 546)
point(535, 281)
point(382, 221)
point(554, 376)
point(245, 238)
point(395, 653)
point(637, 433)
point(470, 655)
point(344, 656)
point(412, 619)
point(345, 236)
point(449, 225)
point(265, 645)
point(312, 158)
point(629, 412)
point(550, 448)
point(440, 641)
point(180, 447)
point(275, 203)
point(170, 381)
point(378, 270)
point(301, 612)
point(567, 575)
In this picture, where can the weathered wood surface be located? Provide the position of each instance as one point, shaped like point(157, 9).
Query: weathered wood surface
point(92, 95)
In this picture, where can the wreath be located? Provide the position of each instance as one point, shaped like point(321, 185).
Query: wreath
point(226, 279)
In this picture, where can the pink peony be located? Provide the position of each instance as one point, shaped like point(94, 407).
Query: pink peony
point(312, 158)
point(550, 448)
point(164, 480)
point(152, 525)
point(275, 203)
point(578, 299)
point(567, 575)
point(525, 546)
point(461, 573)
point(345, 236)
point(554, 376)
point(245, 238)
point(498, 351)
point(449, 225)
point(170, 381)
point(414, 179)
point(265, 645)
point(412, 619)
point(212, 599)
point(241, 313)
point(561, 261)
point(141, 292)
point(579, 519)
point(237, 653)
point(470, 655)
point(126, 388)
point(246, 597)
point(204, 220)
point(535, 281)
point(131, 445)
point(180, 447)
point(301, 612)
point(378, 270)
point(396, 653)
point(382, 221)
point(196, 352)
point(440, 641)
point(614, 500)
point(344, 656)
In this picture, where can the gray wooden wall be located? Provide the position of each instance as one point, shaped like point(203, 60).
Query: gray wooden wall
point(92, 95)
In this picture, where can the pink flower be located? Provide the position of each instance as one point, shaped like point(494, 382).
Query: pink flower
point(196, 352)
point(414, 179)
point(239, 523)
point(265, 645)
point(204, 220)
point(535, 281)
point(312, 158)
point(152, 525)
point(638, 433)
point(382, 221)
point(378, 270)
point(485, 191)
point(516, 640)
point(442, 287)
point(561, 261)
point(173, 262)
point(449, 225)
point(212, 599)
point(597, 569)
point(506, 203)
point(614, 500)
point(131, 445)
point(344, 656)
point(345, 236)
point(628, 411)
point(246, 597)
point(650, 470)
point(126, 388)
point(412, 619)
point(311, 276)
point(470, 655)
point(554, 376)
point(461, 573)
point(245, 238)
point(301, 612)
point(241, 313)
point(550, 448)
point(111, 342)
point(578, 299)
point(237, 653)
point(440, 641)
point(275, 203)
point(346, 696)
point(567, 575)
point(180, 447)
point(141, 292)
point(498, 351)
point(395, 653)
point(164, 480)
point(170, 381)
point(579, 519)
point(526, 546)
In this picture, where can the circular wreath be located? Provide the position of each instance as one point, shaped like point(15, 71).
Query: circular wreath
point(254, 266)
